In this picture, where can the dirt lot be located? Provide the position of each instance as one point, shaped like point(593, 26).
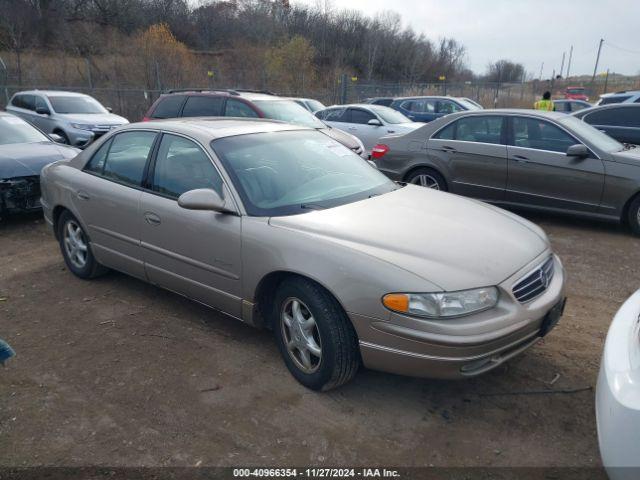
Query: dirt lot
point(117, 372)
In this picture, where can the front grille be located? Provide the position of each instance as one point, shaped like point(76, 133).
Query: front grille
point(535, 283)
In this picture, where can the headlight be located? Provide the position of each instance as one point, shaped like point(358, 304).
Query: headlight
point(442, 304)
point(82, 126)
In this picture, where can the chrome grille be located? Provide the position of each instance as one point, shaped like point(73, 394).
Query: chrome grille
point(534, 283)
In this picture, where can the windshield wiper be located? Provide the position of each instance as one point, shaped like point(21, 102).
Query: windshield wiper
point(312, 206)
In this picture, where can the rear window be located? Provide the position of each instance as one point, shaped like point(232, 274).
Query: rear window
point(168, 107)
point(201, 106)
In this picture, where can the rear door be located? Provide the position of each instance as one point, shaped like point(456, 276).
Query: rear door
point(108, 199)
point(474, 152)
point(541, 174)
point(195, 253)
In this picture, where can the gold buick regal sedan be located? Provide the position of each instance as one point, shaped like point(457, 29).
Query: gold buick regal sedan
point(282, 227)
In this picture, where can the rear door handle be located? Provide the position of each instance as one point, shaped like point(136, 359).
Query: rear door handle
point(83, 195)
point(520, 158)
point(152, 218)
point(449, 149)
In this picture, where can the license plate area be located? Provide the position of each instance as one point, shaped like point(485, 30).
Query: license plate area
point(552, 317)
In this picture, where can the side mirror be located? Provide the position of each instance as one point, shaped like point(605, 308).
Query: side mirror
point(42, 111)
point(374, 122)
point(579, 151)
point(204, 199)
point(109, 109)
point(56, 138)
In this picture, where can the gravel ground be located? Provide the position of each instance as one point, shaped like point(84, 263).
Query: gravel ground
point(117, 372)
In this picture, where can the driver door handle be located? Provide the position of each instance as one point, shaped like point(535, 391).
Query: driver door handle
point(152, 218)
point(83, 195)
point(520, 159)
point(449, 149)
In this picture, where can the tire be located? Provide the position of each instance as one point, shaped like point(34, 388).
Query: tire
point(427, 177)
point(76, 248)
point(633, 216)
point(331, 331)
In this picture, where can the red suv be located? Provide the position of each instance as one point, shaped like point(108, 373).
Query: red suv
point(576, 93)
point(244, 103)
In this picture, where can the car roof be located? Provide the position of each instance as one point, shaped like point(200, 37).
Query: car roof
point(623, 93)
point(510, 111)
point(215, 127)
point(608, 106)
point(247, 94)
point(434, 97)
point(59, 93)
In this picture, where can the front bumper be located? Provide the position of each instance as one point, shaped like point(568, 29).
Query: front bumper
point(618, 394)
point(18, 195)
point(461, 347)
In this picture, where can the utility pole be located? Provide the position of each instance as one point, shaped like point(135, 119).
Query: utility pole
point(562, 64)
point(541, 68)
point(595, 70)
point(569, 64)
point(606, 81)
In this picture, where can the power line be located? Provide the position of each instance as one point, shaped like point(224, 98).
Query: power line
point(628, 50)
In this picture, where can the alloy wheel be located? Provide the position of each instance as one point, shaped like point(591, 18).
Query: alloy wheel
point(425, 180)
point(301, 335)
point(75, 244)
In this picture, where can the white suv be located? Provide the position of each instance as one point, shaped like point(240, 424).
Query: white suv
point(632, 96)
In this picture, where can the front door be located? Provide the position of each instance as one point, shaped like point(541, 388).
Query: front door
point(195, 253)
point(541, 174)
point(107, 195)
point(474, 151)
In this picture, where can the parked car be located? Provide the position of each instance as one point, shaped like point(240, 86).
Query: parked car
point(618, 120)
point(384, 101)
point(569, 106)
point(367, 122)
point(245, 104)
point(473, 102)
point(631, 96)
point(543, 160)
point(309, 103)
point(618, 394)
point(280, 226)
point(426, 109)
point(576, 93)
point(24, 150)
point(77, 118)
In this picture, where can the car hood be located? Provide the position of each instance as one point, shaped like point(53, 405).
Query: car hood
point(344, 138)
point(28, 159)
point(631, 156)
point(406, 127)
point(95, 119)
point(450, 241)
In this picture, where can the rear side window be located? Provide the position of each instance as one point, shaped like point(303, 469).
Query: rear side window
point(361, 116)
point(540, 135)
point(201, 106)
point(447, 107)
point(621, 116)
point(480, 129)
point(616, 99)
point(236, 108)
point(168, 107)
point(127, 157)
point(96, 164)
point(24, 101)
point(420, 106)
point(181, 165)
point(336, 115)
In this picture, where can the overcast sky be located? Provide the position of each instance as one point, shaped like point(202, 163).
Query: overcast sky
point(525, 31)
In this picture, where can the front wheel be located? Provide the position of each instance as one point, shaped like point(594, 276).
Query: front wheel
point(633, 216)
point(76, 249)
point(314, 335)
point(426, 177)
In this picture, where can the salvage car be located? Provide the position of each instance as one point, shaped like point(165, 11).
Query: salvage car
point(618, 394)
point(24, 150)
point(546, 161)
point(78, 119)
point(280, 226)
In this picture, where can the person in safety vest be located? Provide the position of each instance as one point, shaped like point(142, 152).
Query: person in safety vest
point(545, 104)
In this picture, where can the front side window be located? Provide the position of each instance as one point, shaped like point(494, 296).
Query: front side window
point(124, 157)
point(361, 116)
point(594, 136)
point(40, 103)
point(15, 130)
point(335, 115)
point(201, 106)
point(168, 107)
point(80, 104)
point(447, 107)
point(540, 135)
point(236, 108)
point(292, 172)
point(180, 166)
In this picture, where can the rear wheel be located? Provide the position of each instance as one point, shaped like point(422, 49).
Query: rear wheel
point(427, 177)
point(76, 249)
point(633, 216)
point(314, 335)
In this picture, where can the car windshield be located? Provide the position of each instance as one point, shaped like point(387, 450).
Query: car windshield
point(15, 130)
point(315, 105)
point(601, 140)
point(575, 90)
point(389, 115)
point(288, 111)
point(468, 105)
point(292, 172)
point(82, 104)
